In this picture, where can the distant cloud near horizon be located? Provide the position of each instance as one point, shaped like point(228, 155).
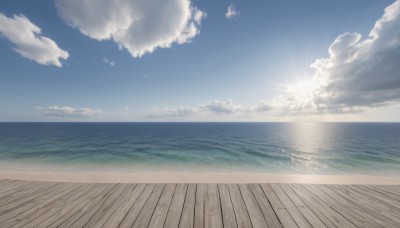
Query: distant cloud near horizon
point(29, 42)
point(138, 26)
point(68, 111)
point(231, 12)
point(215, 107)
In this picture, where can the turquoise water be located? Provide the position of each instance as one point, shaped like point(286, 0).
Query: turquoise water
point(290, 148)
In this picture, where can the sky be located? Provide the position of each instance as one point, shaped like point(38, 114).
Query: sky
point(192, 60)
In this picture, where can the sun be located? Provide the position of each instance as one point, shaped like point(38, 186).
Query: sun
point(302, 90)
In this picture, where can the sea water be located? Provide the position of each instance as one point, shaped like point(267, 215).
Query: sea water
point(286, 148)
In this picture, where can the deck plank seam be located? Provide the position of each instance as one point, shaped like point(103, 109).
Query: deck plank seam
point(340, 204)
point(86, 189)
point(376, 209)
point(275, 212)
point(30, 201)
point(234, 212)
point(312, 208)
point(269, 202)
point(186, 192)
point(102, 200)
point(134, 187)
point(87, 197)
point(247, 210)
point(258, 204)
point(342, 213)
point(220, 203)
point(372, 210)
point(133, 222)
point(90, 205)
point(305, 218)
point(332, 208)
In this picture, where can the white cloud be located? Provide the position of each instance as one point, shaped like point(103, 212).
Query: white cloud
point(358, 74)
point(231, 12)
point(140, 26)
point(29, 42)
point(218, 106)
point(68, 111)
point(198, 16)
point(111, 63)
point(215, 107)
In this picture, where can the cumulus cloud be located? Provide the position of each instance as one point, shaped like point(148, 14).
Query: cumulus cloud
point(231, 12)
point(358, 74)
point(68, 111)
point(215, 107)
point(29, 42)
point(139, 26)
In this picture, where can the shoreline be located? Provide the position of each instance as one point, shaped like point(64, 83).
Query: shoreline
point(201, 177)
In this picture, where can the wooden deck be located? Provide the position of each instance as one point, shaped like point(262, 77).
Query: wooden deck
point(49, 204)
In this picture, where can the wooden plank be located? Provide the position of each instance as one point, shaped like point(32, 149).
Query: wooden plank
point(327, 215)
point(228, 214)
point(378, 194)
point(255, 214)
point(332, 203)
point(392, 192)
point(42, 198)
point(84, 207)
point(334, 215)
point(41, 214)
point(160, 213)
point(6, 184)
point(383, 194)
point(30, 209)
point(109, 206)
point(266, 208)
point(358, 212)
point(374, 204)
point(201, 193)
point(47, 204)
point(272, 197)
point(175, 209)
point(145, 215)
point(94, 209)
point(136, 208)
point(187, 218)
point(3, 181)
point(297, 216)
point(24, 197)
point(359, 203)
point(213, 216)
point(119, 214)
point(68, 210)
point(13, 187)
point(91, 210)
point(302, 207)
point(393, 187)
point(241, 213)
point(20, 188)
point(284, 217)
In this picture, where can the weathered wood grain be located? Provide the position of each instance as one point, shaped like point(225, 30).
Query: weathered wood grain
point(48, 204)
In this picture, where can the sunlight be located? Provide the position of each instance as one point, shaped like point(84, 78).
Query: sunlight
point(302, 90)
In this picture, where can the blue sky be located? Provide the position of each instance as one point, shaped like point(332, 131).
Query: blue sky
point(195, 61)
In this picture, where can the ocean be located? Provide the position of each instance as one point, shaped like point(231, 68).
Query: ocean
point(284, 148)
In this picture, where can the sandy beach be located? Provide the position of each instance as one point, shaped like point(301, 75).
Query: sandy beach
point(191, 177)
